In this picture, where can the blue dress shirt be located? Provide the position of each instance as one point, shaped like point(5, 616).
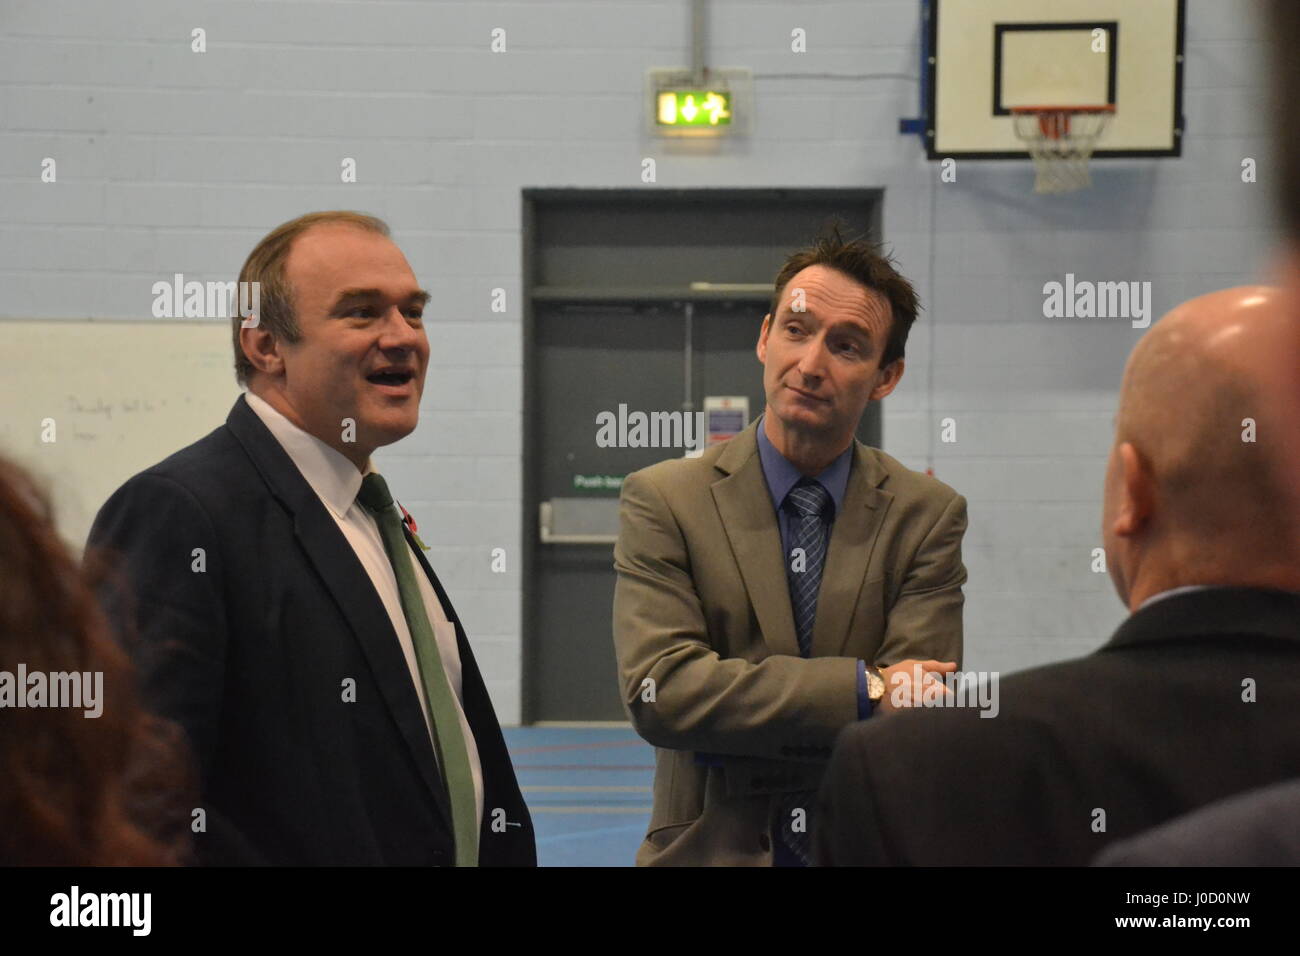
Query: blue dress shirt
point(781, 475)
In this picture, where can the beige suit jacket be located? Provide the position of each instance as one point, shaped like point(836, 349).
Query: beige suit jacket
point(708, 659)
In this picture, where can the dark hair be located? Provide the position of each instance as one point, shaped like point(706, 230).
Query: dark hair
point(866, 262)
point(265, 266)
point(1284, 32)
point(76, 791)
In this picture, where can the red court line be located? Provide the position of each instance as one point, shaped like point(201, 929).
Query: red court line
point(596, 746)
point(582, 766)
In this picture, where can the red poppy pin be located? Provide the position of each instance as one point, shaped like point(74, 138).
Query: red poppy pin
point(410, 526)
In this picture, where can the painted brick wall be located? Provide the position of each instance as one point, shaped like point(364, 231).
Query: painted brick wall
point(171, 161)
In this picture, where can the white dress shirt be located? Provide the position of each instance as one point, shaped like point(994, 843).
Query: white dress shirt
point(336, 482)
point(1185, 589)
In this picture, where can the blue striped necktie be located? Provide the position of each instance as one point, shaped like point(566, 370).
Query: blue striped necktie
point(805, 506)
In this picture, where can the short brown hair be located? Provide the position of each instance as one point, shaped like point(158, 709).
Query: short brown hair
point(265, 266)
point(864, 261)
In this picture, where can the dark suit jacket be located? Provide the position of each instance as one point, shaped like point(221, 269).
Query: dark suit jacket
point(250, 656)
point(1259, 828)
point(1150, 726)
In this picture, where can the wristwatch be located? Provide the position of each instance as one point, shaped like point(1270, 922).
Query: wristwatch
point(875, 685)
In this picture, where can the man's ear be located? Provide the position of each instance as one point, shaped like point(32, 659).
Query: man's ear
point(1137, 487)
point(761, 348)
point(889, 379)
point(262, 349)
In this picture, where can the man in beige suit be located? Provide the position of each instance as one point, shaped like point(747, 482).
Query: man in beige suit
point(770, 590)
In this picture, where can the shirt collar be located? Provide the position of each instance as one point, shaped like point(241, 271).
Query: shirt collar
point(782, 475)
point(1185, 589)
point(335, 480)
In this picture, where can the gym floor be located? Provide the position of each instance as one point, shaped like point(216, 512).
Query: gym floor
point(588, 790)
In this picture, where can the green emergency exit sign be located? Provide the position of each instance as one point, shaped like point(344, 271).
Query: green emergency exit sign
point(693, 107)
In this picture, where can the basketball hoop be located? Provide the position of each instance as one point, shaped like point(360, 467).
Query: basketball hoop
point(1060, 140)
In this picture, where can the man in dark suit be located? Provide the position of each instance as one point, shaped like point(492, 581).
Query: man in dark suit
point(1262, 827)
point(1258, 828)
point(283, 612)
point(1192, 699)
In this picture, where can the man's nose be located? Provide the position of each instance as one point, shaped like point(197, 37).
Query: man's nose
point(398, 333)
point(813, 358)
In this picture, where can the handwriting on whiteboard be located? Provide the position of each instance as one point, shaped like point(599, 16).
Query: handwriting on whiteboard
point(106, 408)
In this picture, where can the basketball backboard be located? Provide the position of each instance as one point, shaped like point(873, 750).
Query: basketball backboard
point(986, 57)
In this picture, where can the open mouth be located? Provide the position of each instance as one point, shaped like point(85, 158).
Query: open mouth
point(393, 377)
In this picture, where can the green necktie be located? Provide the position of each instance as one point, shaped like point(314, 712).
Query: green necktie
point(453, 758)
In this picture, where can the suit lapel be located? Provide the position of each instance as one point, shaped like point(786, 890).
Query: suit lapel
point(853, 537)
point(447, 609)
point(354, 594)
point(500, 787)
point(745, 507)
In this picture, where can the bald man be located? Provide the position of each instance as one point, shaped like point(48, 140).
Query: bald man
point(1262, 827)
point(1193, 698)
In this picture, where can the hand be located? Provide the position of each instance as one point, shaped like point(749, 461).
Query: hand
point(906, 681)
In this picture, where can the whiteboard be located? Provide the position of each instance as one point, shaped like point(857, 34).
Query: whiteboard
point(122, 395)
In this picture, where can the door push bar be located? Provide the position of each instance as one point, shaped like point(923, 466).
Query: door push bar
point(579, 520)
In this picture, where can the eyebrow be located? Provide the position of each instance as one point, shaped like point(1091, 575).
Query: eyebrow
point(852, 328)
point(420, 296)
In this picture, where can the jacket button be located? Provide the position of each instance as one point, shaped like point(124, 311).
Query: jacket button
point(764, 842)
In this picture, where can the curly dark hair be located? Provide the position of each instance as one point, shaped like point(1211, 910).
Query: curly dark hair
point(76, 790)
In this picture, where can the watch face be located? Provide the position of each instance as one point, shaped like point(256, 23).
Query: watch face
point(875, 686)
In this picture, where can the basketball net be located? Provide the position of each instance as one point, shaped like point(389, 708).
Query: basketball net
point(1060, 139)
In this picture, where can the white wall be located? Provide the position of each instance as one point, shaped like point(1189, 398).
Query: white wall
point(171, 161)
